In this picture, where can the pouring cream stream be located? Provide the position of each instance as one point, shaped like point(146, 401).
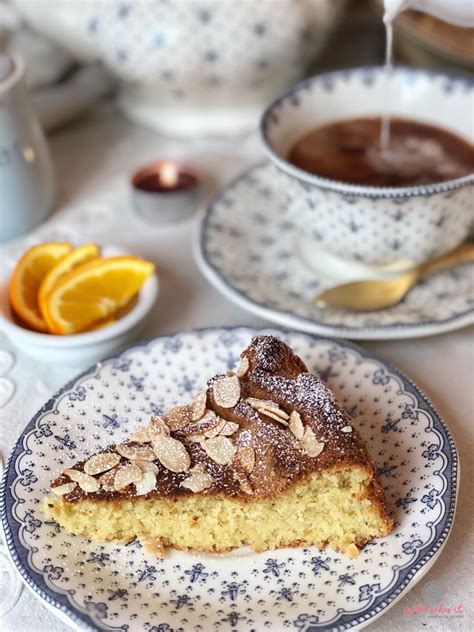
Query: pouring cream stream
point(458, 12)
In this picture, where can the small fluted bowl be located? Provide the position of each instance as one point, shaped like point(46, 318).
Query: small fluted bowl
point(85, 348)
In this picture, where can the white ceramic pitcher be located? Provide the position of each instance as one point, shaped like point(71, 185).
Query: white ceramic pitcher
point(26, 175)
point(459, 12)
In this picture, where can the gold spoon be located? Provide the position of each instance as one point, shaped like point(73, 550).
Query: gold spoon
point(367, 296)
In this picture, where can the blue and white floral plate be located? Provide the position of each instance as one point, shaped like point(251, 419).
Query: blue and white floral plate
point(112, 587)
point(250, 251)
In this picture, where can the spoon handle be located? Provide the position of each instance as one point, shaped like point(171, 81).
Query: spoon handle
point(463, 254)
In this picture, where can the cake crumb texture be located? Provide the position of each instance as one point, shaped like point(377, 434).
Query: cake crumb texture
point(338, 507)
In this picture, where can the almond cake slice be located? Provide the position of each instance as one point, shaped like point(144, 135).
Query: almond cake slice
point(265, 457)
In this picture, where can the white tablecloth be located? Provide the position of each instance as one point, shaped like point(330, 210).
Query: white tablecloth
point(93, 161)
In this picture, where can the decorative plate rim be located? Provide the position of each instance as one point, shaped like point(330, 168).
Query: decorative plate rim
point(412, 574)
point(290, 320)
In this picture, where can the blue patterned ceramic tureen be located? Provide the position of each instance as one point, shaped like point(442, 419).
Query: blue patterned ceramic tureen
point(192, 66)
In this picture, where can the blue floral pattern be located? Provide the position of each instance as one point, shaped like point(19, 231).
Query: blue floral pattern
point(187, 49)
point(116, 587)
point(279, 284)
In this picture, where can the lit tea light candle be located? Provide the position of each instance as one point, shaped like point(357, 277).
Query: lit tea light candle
point(165, 191)
point(168, 175)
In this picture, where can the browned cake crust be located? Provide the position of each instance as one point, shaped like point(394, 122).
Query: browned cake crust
point(272, 448)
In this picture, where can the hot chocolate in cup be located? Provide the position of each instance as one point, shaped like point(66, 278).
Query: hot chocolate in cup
point(385, 227)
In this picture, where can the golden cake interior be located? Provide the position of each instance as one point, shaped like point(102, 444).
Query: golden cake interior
point(282, 466)
point(328, 507)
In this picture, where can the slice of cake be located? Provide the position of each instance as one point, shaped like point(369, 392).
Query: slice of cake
point(265, 457)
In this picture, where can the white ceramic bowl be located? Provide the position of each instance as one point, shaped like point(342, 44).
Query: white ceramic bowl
point(80, 349)
point(390, 228)
point(192, 66)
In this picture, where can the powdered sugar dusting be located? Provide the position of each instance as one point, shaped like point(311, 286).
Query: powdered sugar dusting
point(304, 392)
point(278, 380)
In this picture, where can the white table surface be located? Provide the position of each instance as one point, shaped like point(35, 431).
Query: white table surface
point(93, 160)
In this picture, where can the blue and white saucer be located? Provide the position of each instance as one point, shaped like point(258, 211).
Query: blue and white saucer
point(116, 587)
point(250, 251)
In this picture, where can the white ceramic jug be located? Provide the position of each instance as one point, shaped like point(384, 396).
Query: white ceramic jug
point(26, 175)
point(459, 12)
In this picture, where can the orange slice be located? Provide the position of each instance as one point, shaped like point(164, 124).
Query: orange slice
point(77, 257)
point(94, 292)
point(26, 280)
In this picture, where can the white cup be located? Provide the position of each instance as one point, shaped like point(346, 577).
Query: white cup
point(390, 228)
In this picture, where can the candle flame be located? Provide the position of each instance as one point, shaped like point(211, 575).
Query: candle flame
point(168, 175)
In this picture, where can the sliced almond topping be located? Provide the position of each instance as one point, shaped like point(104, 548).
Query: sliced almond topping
point(101, 463)
point(296, 425)
point(209, 417)
point(198, 468)
point(260, 403)
point(278, 412)
point(245, 486)
point(243, 367)
point(246, 456)
point(208, 420)
point(136, 452)
point(157, 426)
point(61, 490)
point(146, 484)
point(273, 415)
point(155, 547)
point(217, 429)
point(266, 407)
point(351, 550)
point(178, 417)
point(127, 474)
point(87, 483)
point(243, 482)
point(310, 444)
point(229, 428)
point(107, 480)
point(198, 407)
point(226, 391)
point(197, 482)
point(171, 453)
point(195, 437)
point(142, 435)
point(220, 449)
point(346, 429)
point(147, 466)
